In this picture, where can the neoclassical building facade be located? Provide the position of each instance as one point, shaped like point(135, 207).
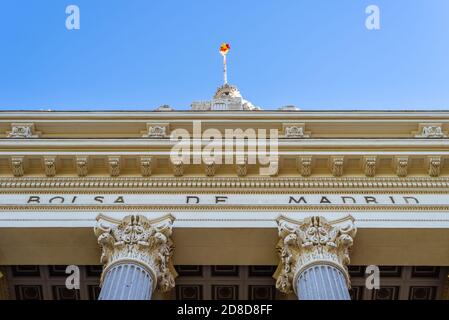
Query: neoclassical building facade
point(313, 198)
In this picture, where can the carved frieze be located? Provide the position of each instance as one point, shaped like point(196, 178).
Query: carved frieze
point(145, 242)
point(309, 242)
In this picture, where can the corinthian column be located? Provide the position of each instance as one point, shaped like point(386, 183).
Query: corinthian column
point(314, 255)
point(137, 257)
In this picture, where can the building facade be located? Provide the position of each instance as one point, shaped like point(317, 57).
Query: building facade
point(298, 210)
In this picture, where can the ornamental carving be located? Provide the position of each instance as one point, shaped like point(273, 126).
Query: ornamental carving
point(114, 166)
point(82, 166)
point(17, 166)
point(50, 166)
point(305, 166)
point(22, 131)
point(310, 242)
point(146, 166)
point(178, 168)
point(295, 131)
point(242, 166)
point(156, 130)
point(210, 168)
point(370, 166)
point(402, 166)
point(336, 164)
point(140, 240)
point(430, 131)
point(434, 166)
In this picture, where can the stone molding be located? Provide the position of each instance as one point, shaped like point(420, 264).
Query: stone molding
point(139, 240)
point(312, 241)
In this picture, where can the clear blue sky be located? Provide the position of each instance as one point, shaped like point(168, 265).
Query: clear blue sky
point(139, 54)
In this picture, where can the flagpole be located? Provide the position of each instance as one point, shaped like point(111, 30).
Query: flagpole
point(225, 70)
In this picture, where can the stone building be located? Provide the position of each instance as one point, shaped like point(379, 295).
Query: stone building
point(314, 198)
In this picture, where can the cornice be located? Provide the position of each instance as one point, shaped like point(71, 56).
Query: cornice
point(126, 144)
point(419, 114)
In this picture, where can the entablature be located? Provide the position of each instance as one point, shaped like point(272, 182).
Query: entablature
point(290, 124)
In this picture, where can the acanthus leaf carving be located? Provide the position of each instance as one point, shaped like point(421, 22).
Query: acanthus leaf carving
point(145, 242)
point(309, 242)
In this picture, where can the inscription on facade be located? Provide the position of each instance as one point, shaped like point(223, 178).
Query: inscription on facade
point(223, 199)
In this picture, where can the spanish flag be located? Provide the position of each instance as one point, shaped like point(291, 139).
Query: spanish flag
point(224, 49)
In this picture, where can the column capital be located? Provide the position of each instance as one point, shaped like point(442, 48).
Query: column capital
point(312, 241)
point(136, 239)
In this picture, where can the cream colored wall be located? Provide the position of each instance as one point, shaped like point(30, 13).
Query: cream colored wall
point(58, 246)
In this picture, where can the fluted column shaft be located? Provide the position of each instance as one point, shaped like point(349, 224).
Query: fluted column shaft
point(127, 282)
point(322, 282)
